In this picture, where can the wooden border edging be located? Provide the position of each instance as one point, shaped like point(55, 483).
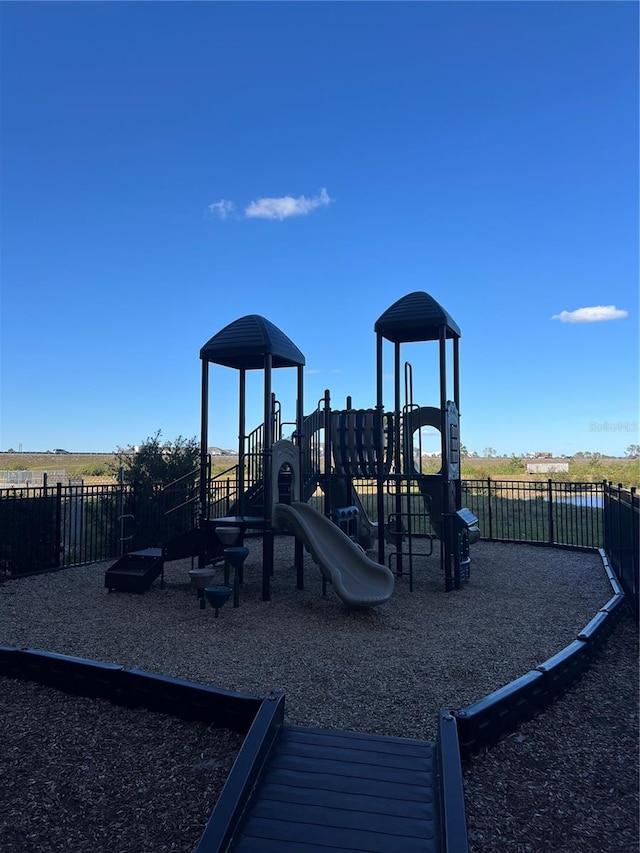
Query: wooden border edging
point(234, 798)
point(490, 719)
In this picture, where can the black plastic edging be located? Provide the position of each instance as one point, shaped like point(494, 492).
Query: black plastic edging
point(452, 807)
point(488, 720)
point(596, 629)
point(500, 713)
point(564, 668)
point(62, 672)
point(241, 781)
point(188, 700)
point(614, 580)
point(614, 602)
point(132, 687)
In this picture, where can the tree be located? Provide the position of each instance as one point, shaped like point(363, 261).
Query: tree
point(633, 451)
point(515, 464)
point(156, 462)
point(489, 452)
point(595, 460)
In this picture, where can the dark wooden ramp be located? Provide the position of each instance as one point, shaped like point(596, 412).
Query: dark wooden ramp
point(324, 790)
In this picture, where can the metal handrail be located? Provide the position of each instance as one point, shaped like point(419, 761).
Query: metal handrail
point(192, 500)
point(193, 473)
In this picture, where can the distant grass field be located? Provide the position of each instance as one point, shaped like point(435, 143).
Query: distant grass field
point(74, 464)
point(98, 467)
point(624, 471)
point(94, 468)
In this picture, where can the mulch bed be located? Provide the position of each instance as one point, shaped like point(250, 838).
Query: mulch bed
point(80, 774)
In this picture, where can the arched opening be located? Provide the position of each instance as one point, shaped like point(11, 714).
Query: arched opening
point(285, 483)
point(427, 450)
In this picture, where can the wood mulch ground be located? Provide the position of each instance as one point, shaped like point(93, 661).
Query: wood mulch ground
point(81, 775)
point(567, 781)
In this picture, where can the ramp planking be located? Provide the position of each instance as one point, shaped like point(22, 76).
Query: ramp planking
point(327, 790)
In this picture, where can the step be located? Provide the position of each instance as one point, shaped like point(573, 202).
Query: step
point(136, 571)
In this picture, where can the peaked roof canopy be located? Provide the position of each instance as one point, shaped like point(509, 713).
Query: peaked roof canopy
point(415, 317)
point(245, 343)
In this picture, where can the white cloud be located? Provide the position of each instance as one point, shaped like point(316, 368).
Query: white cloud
point(285, 206)
point(594, 314)
point(312, 371)
point(221, 208)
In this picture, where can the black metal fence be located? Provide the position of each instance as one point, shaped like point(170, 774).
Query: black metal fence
point(622, 538)
point(48, 527)
point(550, 512)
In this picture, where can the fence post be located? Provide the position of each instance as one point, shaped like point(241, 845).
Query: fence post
point(58, 523)
point(620, 571)
point(490, 513)
point(605, 516)
point(634, 547)
point(120, 511)
point(550, 511)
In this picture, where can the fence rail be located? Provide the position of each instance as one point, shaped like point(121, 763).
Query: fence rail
point(43, 528)
point(550, 512)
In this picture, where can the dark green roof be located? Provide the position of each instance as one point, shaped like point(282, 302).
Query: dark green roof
point(415, 317)
point(245, 342)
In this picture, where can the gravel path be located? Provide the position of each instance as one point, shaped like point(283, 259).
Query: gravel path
point(388, 670)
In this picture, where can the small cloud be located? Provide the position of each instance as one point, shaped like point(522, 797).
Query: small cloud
point(221, 208)
point(594, 314)
point(312, 371)
point(285, 206)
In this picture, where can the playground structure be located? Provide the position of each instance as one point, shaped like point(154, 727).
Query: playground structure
point(332, 453)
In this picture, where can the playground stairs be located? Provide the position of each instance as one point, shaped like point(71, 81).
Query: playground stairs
point(136, 571)
point(324, 790)
point(253, 502)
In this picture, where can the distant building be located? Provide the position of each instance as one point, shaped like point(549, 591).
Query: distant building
point(547, 467)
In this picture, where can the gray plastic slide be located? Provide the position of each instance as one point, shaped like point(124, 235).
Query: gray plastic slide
point(357, 580)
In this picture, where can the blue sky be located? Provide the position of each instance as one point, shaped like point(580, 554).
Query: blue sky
point(170, 167)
